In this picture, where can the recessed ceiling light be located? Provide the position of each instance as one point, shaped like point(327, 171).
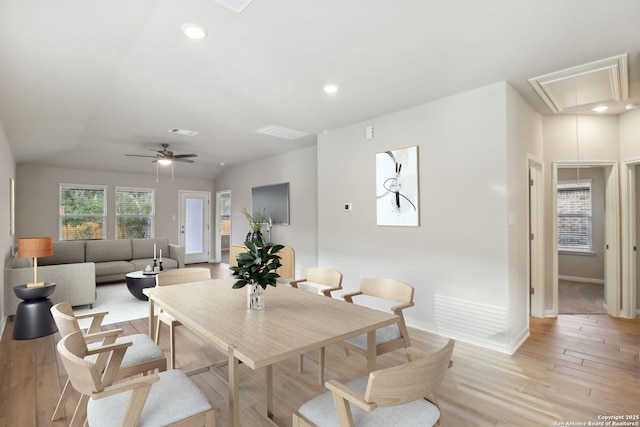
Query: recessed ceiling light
point(194, 31)
point(600, 108)
point(330, 88)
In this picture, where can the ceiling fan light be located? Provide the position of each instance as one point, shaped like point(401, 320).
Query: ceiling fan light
point(165, 162)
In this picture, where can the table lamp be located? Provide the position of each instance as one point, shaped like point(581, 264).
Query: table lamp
point(34, 247)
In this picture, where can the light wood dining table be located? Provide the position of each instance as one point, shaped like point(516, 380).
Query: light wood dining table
point(292, 323)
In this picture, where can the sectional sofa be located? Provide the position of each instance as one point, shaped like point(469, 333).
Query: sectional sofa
point(77, 266)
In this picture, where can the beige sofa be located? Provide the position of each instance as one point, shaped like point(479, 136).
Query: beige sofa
point(77, 266)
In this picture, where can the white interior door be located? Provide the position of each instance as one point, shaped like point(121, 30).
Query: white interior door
point(536, 242)
point(195, 225)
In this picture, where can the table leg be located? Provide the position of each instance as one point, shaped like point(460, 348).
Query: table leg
point(234, 393)
point(371, 351)
point(269, 391)
point(152, 323)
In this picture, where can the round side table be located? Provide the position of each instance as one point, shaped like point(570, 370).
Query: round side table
point(33, 315)
point(139, 280)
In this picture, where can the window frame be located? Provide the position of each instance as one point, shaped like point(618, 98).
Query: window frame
point(152, 216)
point(576, 184)
point(61, 217)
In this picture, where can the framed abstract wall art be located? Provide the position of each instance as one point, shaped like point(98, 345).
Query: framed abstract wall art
point(397, 187)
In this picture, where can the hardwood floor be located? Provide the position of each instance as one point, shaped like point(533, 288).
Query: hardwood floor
point(573, 368)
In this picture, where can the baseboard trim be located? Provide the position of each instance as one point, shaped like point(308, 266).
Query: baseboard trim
point(582, 279)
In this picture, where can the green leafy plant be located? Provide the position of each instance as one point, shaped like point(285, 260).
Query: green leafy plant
point(256, 220)
point(257, 265)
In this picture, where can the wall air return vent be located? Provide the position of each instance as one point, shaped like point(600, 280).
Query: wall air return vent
point(235, 5)
point(281, 132)
point(585, 86)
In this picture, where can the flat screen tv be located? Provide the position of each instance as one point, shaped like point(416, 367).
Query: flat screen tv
point(274, 199)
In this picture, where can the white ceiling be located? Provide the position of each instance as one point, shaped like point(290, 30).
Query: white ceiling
point(82, 83)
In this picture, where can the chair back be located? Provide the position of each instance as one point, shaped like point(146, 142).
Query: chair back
point(325, 276)
point(389, 289)
point(411, 381)
point(85, 376)
point(183, 275)
point(65, 319)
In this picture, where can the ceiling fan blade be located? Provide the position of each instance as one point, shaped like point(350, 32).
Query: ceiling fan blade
point(182, 160)
point(139, 155)
point(182, 156)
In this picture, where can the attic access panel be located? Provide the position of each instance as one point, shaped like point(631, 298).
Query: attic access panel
point(584, 86)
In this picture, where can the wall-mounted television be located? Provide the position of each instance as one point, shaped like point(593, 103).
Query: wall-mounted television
point(274, 199)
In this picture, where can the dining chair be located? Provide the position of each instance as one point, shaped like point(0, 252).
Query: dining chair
point(143, 357)
point(319, 280)
point(397, 296)
point(176, 277)
point(401, 395)
point(151, 400)
point(322, 281)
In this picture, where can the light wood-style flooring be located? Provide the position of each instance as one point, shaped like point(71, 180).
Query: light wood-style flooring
point(571, 369)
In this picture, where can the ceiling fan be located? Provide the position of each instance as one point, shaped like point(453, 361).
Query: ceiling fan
point(166, 157)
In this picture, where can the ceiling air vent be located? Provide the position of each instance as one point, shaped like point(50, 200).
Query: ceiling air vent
point(235, 5)
point(183, 132)
point(584, 86)
point(281, 132)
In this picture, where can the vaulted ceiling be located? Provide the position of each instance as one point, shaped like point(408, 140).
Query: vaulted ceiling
point(82, 83)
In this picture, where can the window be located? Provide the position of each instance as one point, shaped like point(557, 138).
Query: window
point(135, 213)
point(574, 216)
point(82, 212)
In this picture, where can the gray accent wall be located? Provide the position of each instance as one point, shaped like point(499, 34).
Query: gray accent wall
point(37, 193)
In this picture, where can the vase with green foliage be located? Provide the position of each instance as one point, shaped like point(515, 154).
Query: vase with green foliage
point(255, 224)
point(256, 270)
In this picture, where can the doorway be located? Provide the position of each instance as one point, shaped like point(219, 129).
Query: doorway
point(630, 224)
point(195, 218)
point(223, 226)
point(594, 262)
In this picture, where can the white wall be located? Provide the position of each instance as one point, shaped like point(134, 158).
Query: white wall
point(524, 141)
point(37, 194)
point(7, 170)
point(299, 169)
point(458, 258)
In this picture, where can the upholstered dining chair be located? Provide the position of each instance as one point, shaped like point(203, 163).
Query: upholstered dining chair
point(397, 296)
point(176, 277)
point(402, 395)
point(151, 400)
point(143, 357)
point(322, 281)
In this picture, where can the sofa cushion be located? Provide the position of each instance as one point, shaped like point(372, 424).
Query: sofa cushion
point(65, 252)
point(143, 248)
point(108, 250)
point(113, 267)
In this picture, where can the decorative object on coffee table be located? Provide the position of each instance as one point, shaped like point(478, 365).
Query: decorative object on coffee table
point(256, 269)
point(33, 315)
point(34, 247)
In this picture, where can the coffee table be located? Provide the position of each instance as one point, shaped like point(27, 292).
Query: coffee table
point(139, 280)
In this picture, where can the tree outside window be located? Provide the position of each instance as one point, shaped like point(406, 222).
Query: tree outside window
point(135, 213)
point(82, 212)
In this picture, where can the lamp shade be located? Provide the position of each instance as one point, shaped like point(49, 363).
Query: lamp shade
point(35, 247)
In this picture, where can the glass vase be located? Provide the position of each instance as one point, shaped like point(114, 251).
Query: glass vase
point(255, 296)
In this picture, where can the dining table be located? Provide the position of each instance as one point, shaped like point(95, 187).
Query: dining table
point(292, 323)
